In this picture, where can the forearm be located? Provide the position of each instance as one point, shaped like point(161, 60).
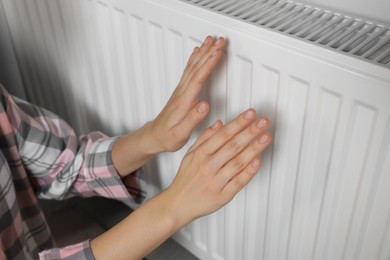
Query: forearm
point(134, 149)
point(141, 232)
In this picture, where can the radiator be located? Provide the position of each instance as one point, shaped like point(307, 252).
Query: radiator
point(322, 77)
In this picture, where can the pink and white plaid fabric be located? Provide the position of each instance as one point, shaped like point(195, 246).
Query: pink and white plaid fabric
point(41, 156)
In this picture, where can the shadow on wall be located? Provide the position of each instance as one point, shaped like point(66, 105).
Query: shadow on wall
point(9, 71)
point(69, 82)
point(63, 82)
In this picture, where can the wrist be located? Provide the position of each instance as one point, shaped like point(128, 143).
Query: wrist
point(177, 209)
point(154, 137)
point(169, 211)
point(133, 150)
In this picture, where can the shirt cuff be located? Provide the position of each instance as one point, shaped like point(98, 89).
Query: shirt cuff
point(102, 179)
point(80, 251)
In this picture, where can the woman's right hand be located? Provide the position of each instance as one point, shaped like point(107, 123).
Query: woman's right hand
point(219, 164)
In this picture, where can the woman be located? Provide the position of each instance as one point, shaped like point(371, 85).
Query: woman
point(41, 156)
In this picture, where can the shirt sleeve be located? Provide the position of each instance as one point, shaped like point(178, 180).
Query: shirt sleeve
point(62, 165)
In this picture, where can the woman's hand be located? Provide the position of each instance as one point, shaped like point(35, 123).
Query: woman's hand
point(220, 163)
point(173, 126)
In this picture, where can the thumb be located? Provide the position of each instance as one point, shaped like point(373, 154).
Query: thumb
point(193, 118)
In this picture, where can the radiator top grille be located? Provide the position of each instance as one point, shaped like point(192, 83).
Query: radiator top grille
point(344, 33)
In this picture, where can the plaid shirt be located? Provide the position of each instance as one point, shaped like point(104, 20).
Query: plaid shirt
point(40, 156)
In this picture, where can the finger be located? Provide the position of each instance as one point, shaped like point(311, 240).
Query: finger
point(240, 180)
point(198, 79)
point(228, 131)
point(195, 56)
point(189, 64)
point(203, 50)
point(241, 161)
point(203, 56)
point(218, 46)
point(206, 134)
point(193, 118)
point(237, 144)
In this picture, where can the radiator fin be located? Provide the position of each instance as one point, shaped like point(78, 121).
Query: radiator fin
point(358, 37)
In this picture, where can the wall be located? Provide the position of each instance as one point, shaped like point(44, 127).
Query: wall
point(9, 72)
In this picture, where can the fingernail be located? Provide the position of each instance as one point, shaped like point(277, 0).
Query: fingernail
point(206, 40)
point(215, 125)
point(263, 139)
point(256, 163)
point(262, 123)
point(249, 114)
point(202, 108)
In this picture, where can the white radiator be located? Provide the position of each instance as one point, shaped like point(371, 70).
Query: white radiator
point(322, 78)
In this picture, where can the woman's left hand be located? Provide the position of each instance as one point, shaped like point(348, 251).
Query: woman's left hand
point(172, 128)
